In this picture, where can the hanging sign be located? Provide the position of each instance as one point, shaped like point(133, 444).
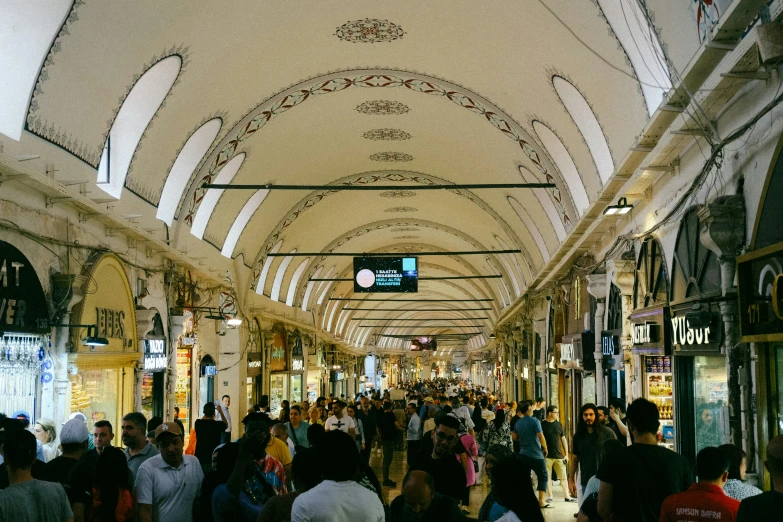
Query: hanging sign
point(385, 274)
point(297, 364)
point(650, 332)
point(646, 333)
point(760, 284)
point(23, 307)
point(610, 344)
point(155, 357)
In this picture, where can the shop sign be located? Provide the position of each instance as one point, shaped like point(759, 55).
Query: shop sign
point(188, 341)
point(760, 283)
point(209, 370)
point(111, 323)
point(155, 359)
point(646, 333)
point(23, 307)
point(297, 365)
point(610, 344)
point(254, 364)
point(567, 352)
point(279, 352)
point(683, 333)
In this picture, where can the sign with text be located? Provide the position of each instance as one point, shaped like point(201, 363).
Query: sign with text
point(155, 358)
point(760, 284)
point(23, 307)
point(650, 331)
point(385, 274)
point(610, 344)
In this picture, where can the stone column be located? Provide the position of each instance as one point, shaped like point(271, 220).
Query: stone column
point(597, 287)
point(622, 274)
point(723, 232)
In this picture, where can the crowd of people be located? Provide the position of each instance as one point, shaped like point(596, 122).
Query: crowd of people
point(311, 462)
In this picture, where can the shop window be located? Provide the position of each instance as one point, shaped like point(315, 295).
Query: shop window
point(187, 161)
point(641, 45)
point(711, 392)
point(294, 283)
point(247, 212)
point(650, 284)
point(278, 282)
point(695, 268)
point(565, 165)
point(309, 288)
point(135, 114)
point(588, 125)
point(265, 269)
point(212, 196)
point(95, 394)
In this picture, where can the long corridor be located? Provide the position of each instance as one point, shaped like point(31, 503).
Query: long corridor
point(561, 511)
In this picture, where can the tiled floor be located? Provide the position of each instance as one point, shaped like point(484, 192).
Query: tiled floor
point(562, 511)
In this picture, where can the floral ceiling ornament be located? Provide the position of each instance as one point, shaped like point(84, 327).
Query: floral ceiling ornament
point(386, 135)
point(369, 30)
point(382, 108)
point(397, 194)
point(404, 229)
point(391, 156)
point(402, 209)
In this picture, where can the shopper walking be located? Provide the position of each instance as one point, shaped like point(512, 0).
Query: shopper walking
point(635, 483)
point(532, 448)
point(558, 452)
point(209, 432)
point(587, 453)
point(768, 505)
point(413, 433)
point(389, 427)
point(369, 418)
point(736, 487)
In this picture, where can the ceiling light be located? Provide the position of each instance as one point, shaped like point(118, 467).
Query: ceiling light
point(233, 321)
point(492, 336)
point(622, 207)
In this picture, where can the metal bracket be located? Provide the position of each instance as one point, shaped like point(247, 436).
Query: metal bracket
point(11, 177)
point(50, 201)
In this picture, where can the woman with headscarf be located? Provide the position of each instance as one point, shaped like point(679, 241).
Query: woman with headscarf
point(490, 510)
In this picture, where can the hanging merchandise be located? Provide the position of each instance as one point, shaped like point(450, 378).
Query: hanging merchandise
point(20, 366)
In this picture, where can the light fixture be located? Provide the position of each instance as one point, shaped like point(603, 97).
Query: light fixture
point(622, 207)
point(233, 321)
point(90, 340)
point(492, 336)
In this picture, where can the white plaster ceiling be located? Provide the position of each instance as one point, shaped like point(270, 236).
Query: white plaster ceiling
point(281, 82)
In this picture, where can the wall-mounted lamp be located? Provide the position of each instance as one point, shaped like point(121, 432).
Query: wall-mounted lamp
point(90, 340)
point(622, 207)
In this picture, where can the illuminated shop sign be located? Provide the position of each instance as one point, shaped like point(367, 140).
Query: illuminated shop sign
point(760, 276)
point(23, 307)
point(646, 333)
point(155, 358)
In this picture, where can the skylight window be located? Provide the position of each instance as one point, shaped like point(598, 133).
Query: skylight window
point(546, 203)
point(289, 300)
point(212, 196)
point(278, 282)
point(241, 221)
point(309, 289)
point(266, 267)
point(565, 165)
point(136, 113)
point(531, 227)
point(588, 125)
point(187, 161)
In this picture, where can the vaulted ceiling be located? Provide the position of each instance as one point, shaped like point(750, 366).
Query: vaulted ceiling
point(339, 93)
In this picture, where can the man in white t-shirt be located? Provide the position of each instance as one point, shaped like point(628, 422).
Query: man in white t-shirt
point(339, 421)
point(168, 485)
point(338, 498)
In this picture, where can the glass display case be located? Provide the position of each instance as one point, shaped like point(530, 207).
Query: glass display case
point(659, 390)
point(182, 388)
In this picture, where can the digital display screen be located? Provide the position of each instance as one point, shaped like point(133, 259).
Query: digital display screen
point(385, 274)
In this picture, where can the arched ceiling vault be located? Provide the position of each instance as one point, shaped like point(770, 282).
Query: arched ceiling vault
point(281, 92)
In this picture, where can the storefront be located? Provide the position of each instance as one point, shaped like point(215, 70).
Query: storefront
point(24, 334)
point(650, 336)
point(286, 367)
point(103, 374)
point(571, 378)
point(611, 347)
point(255, 364)
point(182, 388)
point(696, 326)
point(156, 361)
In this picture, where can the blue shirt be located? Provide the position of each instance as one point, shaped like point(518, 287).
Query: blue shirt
point(527, 429)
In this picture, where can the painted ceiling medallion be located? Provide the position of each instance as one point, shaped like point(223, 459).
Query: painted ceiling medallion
point(386, 135)
point(369, 30)
point(391, 156)
point(402, 209)
point(397, 194)
point(382, 107)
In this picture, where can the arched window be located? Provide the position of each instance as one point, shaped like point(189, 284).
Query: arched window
point(565, 165)
point(141, 104)
point(695, 268)
point(212, 196)
point(278, 281)
point(650, 284)
point(309, 289)
point(640, 42)
point(292, 286)
point(186, 162)
point(614, 309)
point(232, 238)
point(588, 125)
point(265, 268)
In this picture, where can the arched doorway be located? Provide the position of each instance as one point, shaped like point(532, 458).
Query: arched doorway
point(207, 373)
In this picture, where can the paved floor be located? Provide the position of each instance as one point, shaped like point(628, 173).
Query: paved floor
point(561, 512)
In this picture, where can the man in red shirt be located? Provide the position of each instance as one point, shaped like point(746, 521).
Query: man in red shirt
point(705, 500)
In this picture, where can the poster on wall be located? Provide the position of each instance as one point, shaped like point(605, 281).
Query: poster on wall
point(278, 356)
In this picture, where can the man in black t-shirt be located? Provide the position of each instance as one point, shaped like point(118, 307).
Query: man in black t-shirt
point(768, 505)
point(441, 463)
point(539, 409)
point(389, 427)
point(557, 451)
point(636, 480)
point(208, 435)
point(586, 453)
